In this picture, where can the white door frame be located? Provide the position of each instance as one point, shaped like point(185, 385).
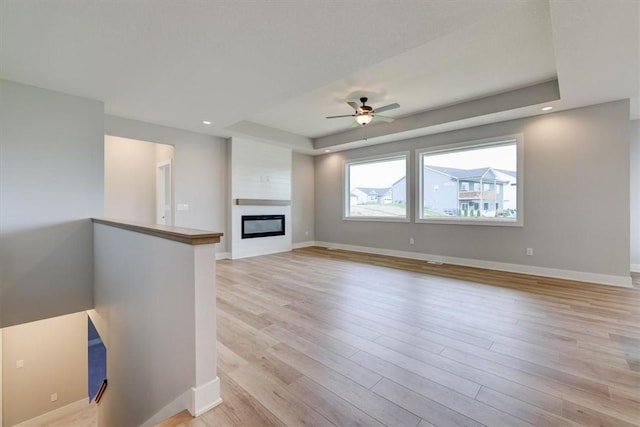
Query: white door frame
point(164, 207)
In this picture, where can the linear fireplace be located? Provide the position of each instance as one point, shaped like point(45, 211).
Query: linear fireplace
point(262, 226)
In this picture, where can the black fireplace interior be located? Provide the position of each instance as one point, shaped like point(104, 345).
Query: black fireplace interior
point(262, 226)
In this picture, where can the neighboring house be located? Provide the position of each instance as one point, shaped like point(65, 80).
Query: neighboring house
point(440, 191)
point(467, 192)
point(364, 195)
point(509, 198)
point(399, 191)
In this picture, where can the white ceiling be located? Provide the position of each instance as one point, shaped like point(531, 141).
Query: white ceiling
point(511, 49)
point(276, 69)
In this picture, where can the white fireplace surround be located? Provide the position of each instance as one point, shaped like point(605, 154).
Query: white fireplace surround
point(260, 185)
point(242, 248)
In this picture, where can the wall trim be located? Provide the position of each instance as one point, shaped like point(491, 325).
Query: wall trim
point(51, 416)
point(600, 279)
point(196, 400)
point(635, 268)
point(223, 255)
point(307, 244)
point(267, 251)
point(205, 397)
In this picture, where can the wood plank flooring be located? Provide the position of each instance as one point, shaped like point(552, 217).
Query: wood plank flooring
point(316, 337)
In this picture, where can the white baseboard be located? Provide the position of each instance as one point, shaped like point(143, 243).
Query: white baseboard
point(304, 244)
point(205, 397)
point(249, 254)
point(51, 416)
point(635, 268)
point(601, 279)
point(227, 255)
point(196, 400)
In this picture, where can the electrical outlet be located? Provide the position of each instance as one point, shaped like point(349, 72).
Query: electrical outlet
point(530, 251)
point(411, 241)
point(54, 397)
point(19, 364)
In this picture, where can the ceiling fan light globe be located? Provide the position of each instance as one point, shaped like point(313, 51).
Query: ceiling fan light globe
point(364, 119)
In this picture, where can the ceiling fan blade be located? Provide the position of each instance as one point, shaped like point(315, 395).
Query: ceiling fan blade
point(354, 105)
point(387, 107)
point(383, 118)
point(346, 115)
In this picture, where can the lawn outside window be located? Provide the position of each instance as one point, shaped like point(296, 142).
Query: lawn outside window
point(375, 188)
point(476, 182)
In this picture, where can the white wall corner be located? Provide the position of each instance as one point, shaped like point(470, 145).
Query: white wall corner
point(221, 255)
point(205, 397)
point(600, 279)
point(635, 268)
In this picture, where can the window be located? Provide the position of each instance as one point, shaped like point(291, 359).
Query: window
point(487, 177)
point(376, 189)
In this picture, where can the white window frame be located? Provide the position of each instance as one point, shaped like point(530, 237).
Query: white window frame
point(518, 222)
point(346, 197)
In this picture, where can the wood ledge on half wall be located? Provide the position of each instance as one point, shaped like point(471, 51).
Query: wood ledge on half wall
point(262, 202)
point(189, 236)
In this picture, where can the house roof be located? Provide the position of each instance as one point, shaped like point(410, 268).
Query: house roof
point(469, 173)
point(377, 191)
point(508, 172)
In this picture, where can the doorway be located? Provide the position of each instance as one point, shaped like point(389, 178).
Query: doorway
point(138, 181)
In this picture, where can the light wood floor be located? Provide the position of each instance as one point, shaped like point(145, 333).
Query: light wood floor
point(318, 338)
point(86, 417)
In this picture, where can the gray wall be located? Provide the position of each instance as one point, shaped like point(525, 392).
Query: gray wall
point(145, 314)
point(302, 198)
point(54, 352)
point(635, 195)
point(199, 171)
point(576, 196)
point(51, 181)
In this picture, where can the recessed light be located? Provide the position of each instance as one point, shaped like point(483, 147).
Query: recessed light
point(547, 108)
point(206, 122)
point(327, 151)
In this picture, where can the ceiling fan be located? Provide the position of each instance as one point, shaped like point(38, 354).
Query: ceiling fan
point(364, 113)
